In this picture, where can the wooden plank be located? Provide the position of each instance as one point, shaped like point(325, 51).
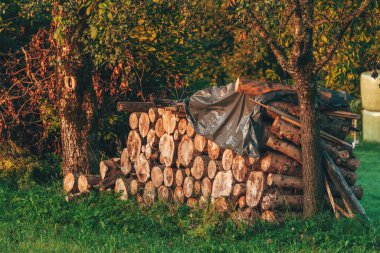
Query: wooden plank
point(342, 186)
point(134, 106)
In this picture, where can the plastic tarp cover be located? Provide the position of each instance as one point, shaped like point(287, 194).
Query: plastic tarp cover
point(226, 117)
point(233, 121)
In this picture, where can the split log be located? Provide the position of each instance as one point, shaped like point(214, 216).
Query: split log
point(285, 130)
point(213, 150)
point(70, 183)
point(144, 124)
point(142, 168)
point(192, 202)
point(157, 176)
point(239, 168)
point(143, 149)
point(159, 128)
point(285, 148)
point(200, 144)
point(284, 181)
point(179, 176)
point(239, 189)
point(187, 172)
point(151, 153)
point(182, 125)
point(342, 186)
point(136, 187)
point(109, 181)
point(254, 88)
point(167, 148)
point(134, 145)
point(222, 185)
point(169, 121)
point(188, 186)
point(254, 188)
point(134, 120)
point(199, 167)
point(289, 108)
point(272, 201)
point(178, 195)
point(109, 167)
point(213, 167)
point(86, 182)
point(185, 151)
point(206, 187)
point(197, 187)
point(153, 114)
point(121, 187)
point(227, 159)
point(149, 194)
point(164, 194)
point(277, 163)
point(168, 176)
point(125, 164)
point(152, 139)
point(190, 130)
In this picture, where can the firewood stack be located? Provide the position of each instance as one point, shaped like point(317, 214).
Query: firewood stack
point(166, 160)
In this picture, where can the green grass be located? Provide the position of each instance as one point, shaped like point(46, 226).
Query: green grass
point(37, 219)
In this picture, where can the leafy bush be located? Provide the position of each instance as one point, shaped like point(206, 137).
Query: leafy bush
point(21, 168)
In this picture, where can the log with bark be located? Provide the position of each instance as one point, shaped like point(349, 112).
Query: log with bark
point(70, 183)
point(121, 187)
point(86, 182)
point(277, 163)
point(168, 149)
point(222, 185)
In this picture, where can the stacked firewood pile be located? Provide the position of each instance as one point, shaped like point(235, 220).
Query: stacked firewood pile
point(166, 160)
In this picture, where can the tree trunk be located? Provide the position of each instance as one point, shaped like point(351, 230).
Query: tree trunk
point(311, 159)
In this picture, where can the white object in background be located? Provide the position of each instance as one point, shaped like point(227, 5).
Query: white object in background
point(371, 126)
point(370, 91)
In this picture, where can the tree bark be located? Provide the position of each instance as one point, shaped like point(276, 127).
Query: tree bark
point(77, 100)
point(311, 159)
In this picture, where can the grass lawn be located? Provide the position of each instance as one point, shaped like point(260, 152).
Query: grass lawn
point(38, 219)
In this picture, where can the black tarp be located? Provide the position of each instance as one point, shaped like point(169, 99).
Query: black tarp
point(233, 121)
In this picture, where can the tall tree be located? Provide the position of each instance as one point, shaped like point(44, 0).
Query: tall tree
point(297, 21)
point(76, 95)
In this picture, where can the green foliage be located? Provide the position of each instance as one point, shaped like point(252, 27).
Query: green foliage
point(22, 169)
point(112, 135)
point(21, 19)
point(37, 219)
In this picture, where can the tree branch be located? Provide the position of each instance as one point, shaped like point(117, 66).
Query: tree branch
point(276, 49)
point(338, 37)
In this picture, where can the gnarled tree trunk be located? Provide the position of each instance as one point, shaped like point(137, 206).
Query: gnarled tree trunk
point(311, 160)
point(77, 101)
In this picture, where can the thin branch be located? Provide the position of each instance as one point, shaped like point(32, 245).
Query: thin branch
point(344, 25)
point(276, 49)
